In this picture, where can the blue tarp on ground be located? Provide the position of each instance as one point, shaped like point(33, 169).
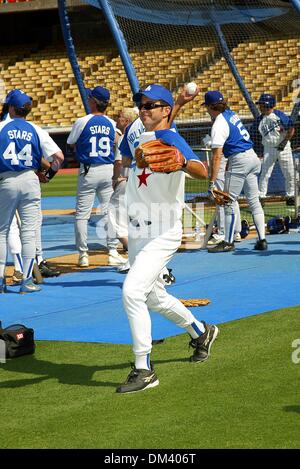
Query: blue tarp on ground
point(87, 306)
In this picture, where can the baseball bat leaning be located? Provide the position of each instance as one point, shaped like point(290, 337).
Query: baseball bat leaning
point(209, 229)
point(36, 271)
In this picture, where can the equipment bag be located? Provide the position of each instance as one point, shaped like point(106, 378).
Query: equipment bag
point(19, 340)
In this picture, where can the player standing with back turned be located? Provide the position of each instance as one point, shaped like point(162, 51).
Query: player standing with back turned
point(231, 138)
point(22, 145)
point(155, 201)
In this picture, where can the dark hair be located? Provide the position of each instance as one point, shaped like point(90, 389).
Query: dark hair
point(4, 111)
point(220, 107)
point(23, 111)
point(167, 105)
point(101, 105)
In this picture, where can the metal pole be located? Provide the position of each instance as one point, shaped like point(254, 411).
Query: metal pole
point(121, 44)
point(66, 30)
point(231, 64)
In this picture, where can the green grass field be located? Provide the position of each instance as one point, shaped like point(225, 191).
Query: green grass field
point(245, 396)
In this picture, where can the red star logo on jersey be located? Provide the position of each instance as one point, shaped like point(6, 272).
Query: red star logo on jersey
point(143, 177)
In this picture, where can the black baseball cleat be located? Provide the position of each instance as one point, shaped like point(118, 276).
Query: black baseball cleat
point(261, 245)
point(47, 271)
point(245, 229)
point(169, 278)
point(202, 344)
point(139, 380)
point(222, 247)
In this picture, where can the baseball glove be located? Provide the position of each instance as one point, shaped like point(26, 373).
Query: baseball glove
point(195, 302)
point(41, 173)
point(159, 157)
point(220, 197)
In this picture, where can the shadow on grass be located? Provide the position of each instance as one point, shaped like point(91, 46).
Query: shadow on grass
point(65, 373)
point(292, 408)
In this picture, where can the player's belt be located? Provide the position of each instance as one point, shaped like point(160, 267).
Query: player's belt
point(136, 223)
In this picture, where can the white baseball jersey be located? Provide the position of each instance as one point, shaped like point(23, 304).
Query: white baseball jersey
point(273, 128)
point(155, 196)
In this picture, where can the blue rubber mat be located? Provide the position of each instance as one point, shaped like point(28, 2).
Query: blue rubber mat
point(87, 306)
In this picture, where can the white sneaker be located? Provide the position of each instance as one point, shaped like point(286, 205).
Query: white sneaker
point(215, 239)
point(237, 237)
point(124, 268)
point(114, 258)
point(83, 260)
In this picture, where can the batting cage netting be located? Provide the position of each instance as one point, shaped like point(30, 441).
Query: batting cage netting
point(244, 49)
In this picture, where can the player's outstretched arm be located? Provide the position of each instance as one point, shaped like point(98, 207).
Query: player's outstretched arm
point(183, 98)
point(196, 169)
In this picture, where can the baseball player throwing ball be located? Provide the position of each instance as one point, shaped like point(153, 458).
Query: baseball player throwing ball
point(155, 197)
point(276, 130)
point(22, 145)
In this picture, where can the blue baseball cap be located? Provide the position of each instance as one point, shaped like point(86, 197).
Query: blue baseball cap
point(267, 100)
point(15, 92)
point(17, 98)
point(212, 97)
point(99, 93)
point(155, 92)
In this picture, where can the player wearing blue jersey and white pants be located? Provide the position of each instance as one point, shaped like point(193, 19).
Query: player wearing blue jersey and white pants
point(230, 137)
point(276, 130)
point(155, 202)
point(94, 138)
point(22, 145)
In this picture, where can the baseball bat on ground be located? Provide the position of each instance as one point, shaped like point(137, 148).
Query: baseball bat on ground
point(36, 271)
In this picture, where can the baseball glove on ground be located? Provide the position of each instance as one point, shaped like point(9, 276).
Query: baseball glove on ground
point(159, 157)
point(220, 197)
point(195, 302)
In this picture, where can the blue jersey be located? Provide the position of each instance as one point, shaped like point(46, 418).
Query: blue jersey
point(94, 137)
point(229, 132)
point(20, 146)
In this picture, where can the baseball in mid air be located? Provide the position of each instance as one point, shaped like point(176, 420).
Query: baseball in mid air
point(191, 88)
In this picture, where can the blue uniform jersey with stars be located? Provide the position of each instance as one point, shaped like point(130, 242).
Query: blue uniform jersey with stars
point(95, 144)
point(229, 132)
point(20, 146)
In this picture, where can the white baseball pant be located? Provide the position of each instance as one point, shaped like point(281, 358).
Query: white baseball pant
point(117, 213)
point(144, 289)
point(242, 173)
point(286, 162)
point(220, 181)
point(19, 191)
point(97, 182)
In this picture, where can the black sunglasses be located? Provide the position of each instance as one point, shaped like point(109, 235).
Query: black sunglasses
point(148, 106)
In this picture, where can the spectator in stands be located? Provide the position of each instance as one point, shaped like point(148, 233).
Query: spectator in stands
point(94, 137)
point(276, 130)
point(230, 138)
